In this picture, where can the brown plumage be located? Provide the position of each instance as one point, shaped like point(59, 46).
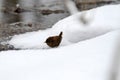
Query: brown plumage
point(54, 41)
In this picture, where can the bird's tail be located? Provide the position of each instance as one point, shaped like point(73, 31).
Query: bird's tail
point(60, 34)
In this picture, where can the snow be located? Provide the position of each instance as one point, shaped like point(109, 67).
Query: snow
point(71, 7)
point(102, 20)
point(89, 57)
point(86, 60)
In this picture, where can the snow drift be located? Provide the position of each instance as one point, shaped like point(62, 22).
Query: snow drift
point(102, 20)
point(86, 60)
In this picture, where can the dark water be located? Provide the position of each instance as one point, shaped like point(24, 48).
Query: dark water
point(8, 17)
point(37, 14)
point(33, 14)
point(8, 6)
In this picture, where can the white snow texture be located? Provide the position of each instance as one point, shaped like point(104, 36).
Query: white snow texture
point(88, 58)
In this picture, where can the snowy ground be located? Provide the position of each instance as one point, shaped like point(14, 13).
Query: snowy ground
point(87, 60)
point(90, 59)
point(101, 20)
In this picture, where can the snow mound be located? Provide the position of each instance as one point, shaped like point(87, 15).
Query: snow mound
point(102, 20)
point(86, 60)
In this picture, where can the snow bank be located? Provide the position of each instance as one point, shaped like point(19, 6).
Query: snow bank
point(86, 60)
point(102, 20)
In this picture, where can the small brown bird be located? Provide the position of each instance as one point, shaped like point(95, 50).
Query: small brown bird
point(54, 41)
